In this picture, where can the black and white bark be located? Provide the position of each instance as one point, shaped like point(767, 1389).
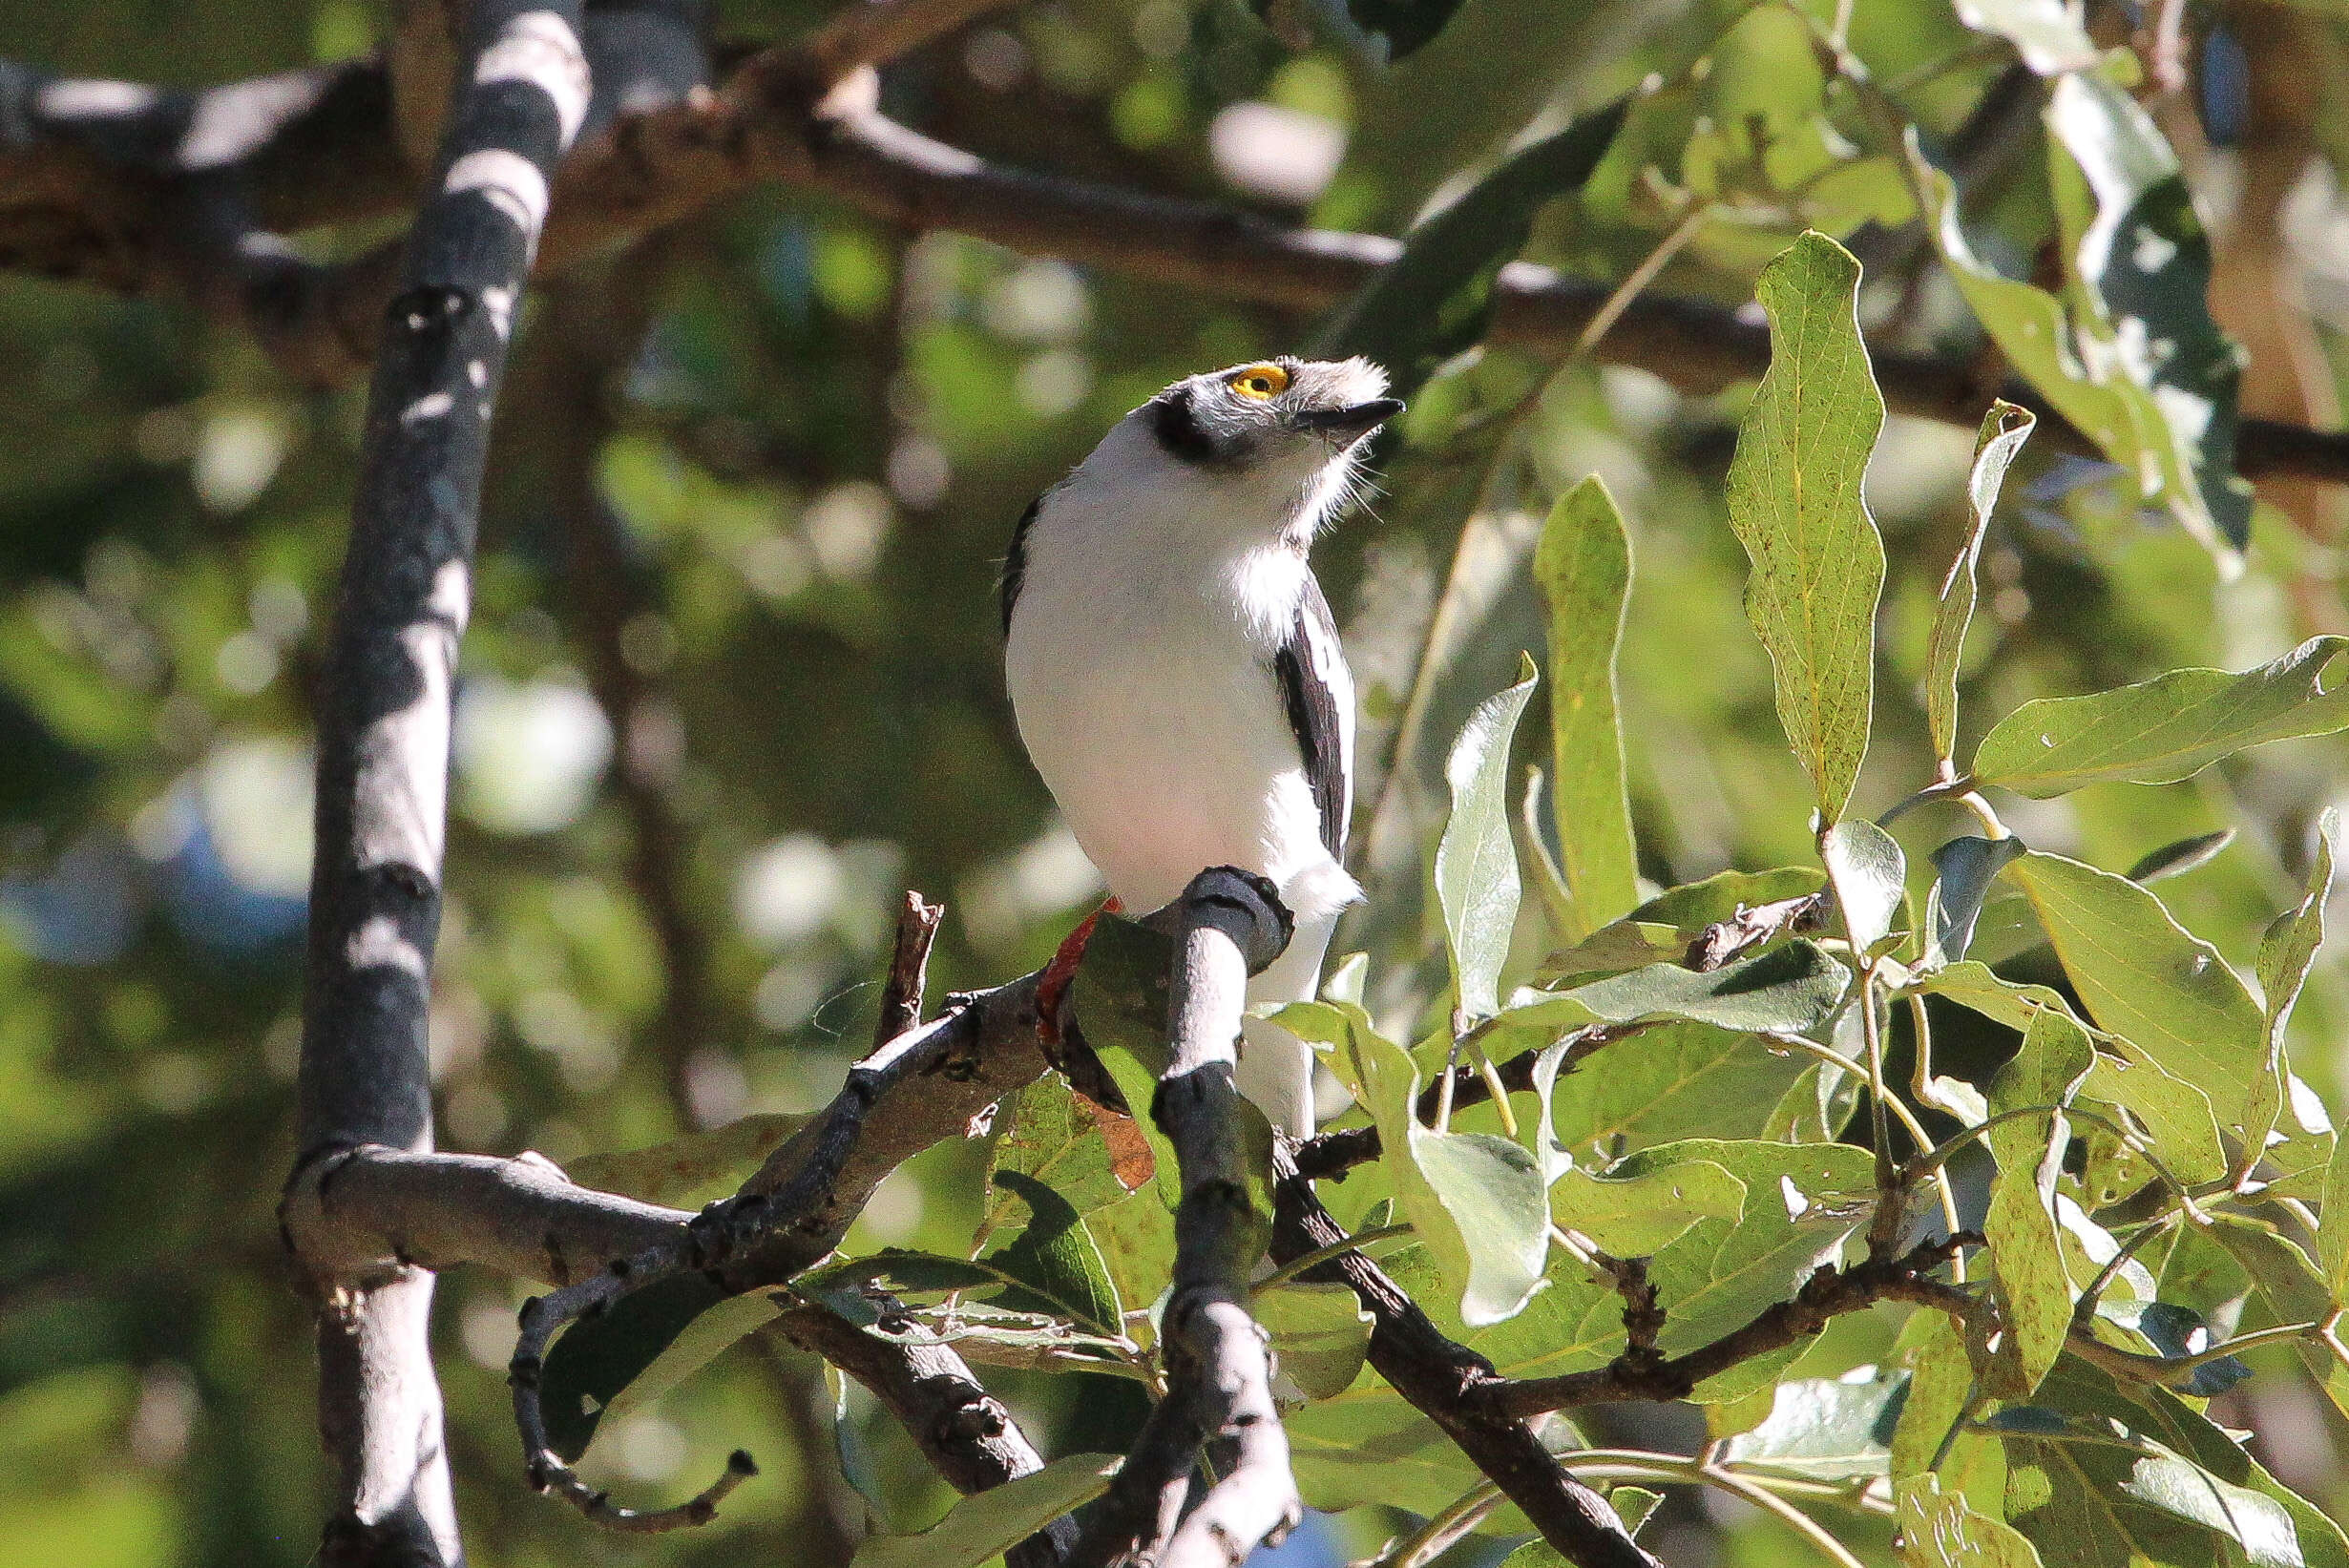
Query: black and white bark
point(383, 749)
point(1228, 925)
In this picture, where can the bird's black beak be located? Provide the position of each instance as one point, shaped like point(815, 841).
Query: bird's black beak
point(1350, 422)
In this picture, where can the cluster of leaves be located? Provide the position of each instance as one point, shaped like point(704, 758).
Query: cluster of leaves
point(2153, 1158)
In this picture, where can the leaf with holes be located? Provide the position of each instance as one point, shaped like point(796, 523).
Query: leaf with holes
point(1794, 501)
point(2167, 729)
point(1584, 565)
point(2026, 1251)
point(2146, 979)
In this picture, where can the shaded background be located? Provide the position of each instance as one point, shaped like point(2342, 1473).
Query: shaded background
point(733, 680)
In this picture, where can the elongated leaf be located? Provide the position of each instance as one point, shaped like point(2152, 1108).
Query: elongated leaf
point(2290, 1284)
point(1680, 1081)
point(1436, 299)
point(1584, 565)
point(2026, 1251)
point(1802, 1201)
point(1830, 1428)
point(2178, 858)
point(2146, 978)
point(2286, 956)
point(2003, 431)
point(1631, 1217)
point(1477, 1202)
point(2174, 1112)
point(2321, 1543)
point(1055, 1257)
point(1966, 865)
point(1868, 872)
point(1319, 1332)
point(2167, 729)
point(1794, 501)
point(2137, 254)
point(2030, 327)
point(1940, 1378)
point(596, 1358)
point(1476, 862)
point(987, 1523)
point(1788, 989)
point(1046, 1133)
point(1941, 1529)
point(697, 1344)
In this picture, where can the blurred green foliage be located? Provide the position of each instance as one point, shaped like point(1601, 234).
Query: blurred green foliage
point(732, 717)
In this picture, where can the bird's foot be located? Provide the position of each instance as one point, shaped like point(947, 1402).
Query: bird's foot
point(1052, 986)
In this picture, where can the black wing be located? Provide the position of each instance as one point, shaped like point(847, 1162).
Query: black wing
point(1317, 690)
point(1015, 563)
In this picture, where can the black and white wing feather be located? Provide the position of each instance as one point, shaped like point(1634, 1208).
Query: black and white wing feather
point(1317, 689)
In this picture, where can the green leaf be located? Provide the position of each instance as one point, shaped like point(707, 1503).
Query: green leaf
point(2185, 855)
point(1869, 875)
point(1478, 1202)
point(1476, 862)
point(1437, 297)
point(2286, 954)
point(1634, 1505)
point(2146, 979)
point(2291, 1287)
point(1802, 1201)
point(2003, 431)
point(1788, 989)
point(1941, 1529)
point(2030, 329)
point(2333, 1224)
point(987, 1523)
point(683, 1168)
point(598, 1357)
point(1967, 864)
point(1828, 1429)
point(2026, 1250)
point(1631, 1217)
point(2140, 262)
point(1046, 1133)
point(1584, 565)
point(700, 1341)
point(2177, 1114)
point(2322, 1545)
point(1319, 1332)
point(1679, 1081)
point(1796, 504)
point(1054, 1255)
point(1940, 1377)
point(2164, 729)
point(2044, 32)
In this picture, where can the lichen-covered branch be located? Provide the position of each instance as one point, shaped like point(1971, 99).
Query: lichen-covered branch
point(1219, 1369)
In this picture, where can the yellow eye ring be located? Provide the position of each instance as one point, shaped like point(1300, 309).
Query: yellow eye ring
point(1259, 381)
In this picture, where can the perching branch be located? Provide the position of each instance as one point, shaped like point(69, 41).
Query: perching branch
point(1228, 923)
point(382, 752)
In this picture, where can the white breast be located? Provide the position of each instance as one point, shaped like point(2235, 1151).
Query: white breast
point(1140, 665)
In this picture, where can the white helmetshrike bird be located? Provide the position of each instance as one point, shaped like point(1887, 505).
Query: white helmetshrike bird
point(1175, 669)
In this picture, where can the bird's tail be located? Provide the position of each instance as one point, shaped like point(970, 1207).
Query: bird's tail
point(1276, 1068)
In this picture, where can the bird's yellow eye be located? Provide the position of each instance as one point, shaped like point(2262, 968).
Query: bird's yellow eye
point(1260, 381)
